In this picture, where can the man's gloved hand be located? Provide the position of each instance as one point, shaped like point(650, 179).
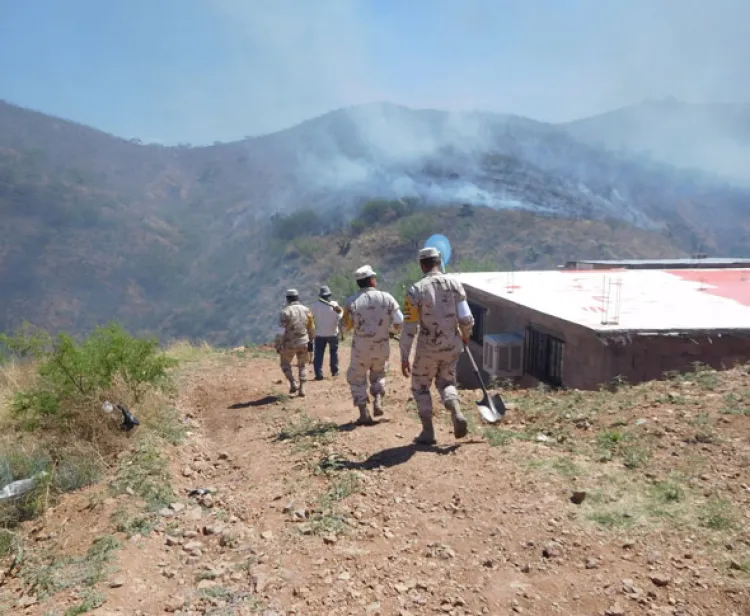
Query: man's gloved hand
point(310, 347)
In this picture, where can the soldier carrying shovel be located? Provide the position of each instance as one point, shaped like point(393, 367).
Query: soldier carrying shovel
point(437, 310)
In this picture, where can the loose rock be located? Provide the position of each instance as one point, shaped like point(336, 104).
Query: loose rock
point(175, 604)
point(578, 497)
point(660, 579)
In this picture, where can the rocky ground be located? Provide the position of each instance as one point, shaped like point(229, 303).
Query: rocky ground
point(632, 502)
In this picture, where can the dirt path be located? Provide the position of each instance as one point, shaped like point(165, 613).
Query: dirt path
point(309, 514)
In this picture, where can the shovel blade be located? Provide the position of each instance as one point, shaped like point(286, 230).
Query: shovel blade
point(491, 408)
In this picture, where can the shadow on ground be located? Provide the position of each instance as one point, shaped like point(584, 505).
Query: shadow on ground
point(387, 458)
point(264, 401)
point(353, 425)
point(324, 428)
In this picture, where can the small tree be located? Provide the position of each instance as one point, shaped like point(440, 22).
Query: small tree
point(416, 228)
point(342, 286)
point(296, 224)
point(74, 374)
point(411, 274)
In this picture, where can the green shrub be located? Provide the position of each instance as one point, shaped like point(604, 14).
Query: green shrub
point(342, 286)
point(72, 373)
point(382, 211)
point(416, 229)
point(408, 276)
point(297, 224)
point(309, 249)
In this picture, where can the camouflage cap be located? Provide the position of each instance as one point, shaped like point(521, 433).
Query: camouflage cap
point(292, 293)
point(429, 253)
point(364, 272)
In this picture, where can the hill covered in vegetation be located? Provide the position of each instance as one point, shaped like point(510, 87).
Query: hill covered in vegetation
point(200, 242)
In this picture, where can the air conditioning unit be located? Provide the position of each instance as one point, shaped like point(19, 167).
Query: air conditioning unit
point(502, 354)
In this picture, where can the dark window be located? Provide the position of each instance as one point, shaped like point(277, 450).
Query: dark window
point(544, 357)
point(477, 334)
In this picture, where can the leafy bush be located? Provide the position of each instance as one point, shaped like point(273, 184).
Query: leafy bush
point(357, 226)
point(309, 249)
point(73, 438)
point(72, 375)
point(381, 212)
point(294, 225)
point(416, 228)
point(342, 286)
point(408, 276)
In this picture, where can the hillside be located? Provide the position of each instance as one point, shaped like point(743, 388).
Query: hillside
point(191, 241)
point(609, 504)
point(241, 303)
point(711, 137)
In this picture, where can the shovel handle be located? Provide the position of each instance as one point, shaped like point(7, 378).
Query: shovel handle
point(476, 369)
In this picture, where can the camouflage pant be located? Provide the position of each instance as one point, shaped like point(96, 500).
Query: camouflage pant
point(437, 365)
point(287, 355)
point(366, 360)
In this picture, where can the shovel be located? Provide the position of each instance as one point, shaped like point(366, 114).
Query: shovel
point(491, 408)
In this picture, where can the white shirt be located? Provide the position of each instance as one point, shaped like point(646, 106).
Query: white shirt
point(326, 319)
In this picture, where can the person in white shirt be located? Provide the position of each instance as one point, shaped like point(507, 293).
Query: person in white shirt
point(327, 314)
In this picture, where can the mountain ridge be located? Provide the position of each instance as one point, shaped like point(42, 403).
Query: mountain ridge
point(96, 226)
point(714, 137)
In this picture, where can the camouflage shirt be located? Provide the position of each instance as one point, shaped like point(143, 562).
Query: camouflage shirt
point(297, 322)
point(371, 313)
point(431, 308)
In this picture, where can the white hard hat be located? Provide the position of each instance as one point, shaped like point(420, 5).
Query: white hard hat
point(364, 272)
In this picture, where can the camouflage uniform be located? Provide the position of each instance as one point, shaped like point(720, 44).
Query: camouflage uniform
point(296, 331)
point(371, 314)
point(432, 308)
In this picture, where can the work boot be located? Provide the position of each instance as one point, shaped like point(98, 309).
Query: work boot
point(364, 416)
point(460, 425)
point(427, 435)
point(377, 405)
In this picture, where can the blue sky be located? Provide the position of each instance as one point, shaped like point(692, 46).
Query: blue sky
point(200, 71)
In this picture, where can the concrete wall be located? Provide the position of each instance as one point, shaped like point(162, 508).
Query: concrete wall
point(588, 362)
point(647, 358)
point(586, 359)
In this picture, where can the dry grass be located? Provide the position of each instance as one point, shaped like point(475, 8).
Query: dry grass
point(15, 376)
point(187, 352)
point(663, 457)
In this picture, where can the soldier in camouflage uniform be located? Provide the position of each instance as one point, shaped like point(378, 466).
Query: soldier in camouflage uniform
point(373, 315)
point(294, 339)
point(436, 308)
